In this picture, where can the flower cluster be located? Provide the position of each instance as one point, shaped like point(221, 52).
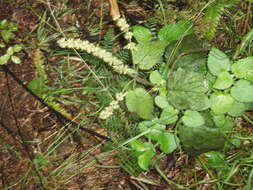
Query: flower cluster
point(124, 27)
point(108, 111)
point(114, 62)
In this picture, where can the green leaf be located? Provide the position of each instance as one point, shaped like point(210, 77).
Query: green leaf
point(197, 140)
point(156, 78)
point(144, 159)
point(168, 115)
point(4, 59)
point(186, 90)
point(7, 35)
point(218, 62)
point(237, 109)
point(17, 48)
point(15, 59)
point(175, 31)
point(224, 123)
point(244, 68)
point(223, 81)
point(142, 34)
point(193, 119)
point(221, 102)
point(2, 45)
point(168, 142)
point(216, 160)
point(161, 101)
point(38, 86)
point(140, 102)
point(155, 129)
point(243, 91)
point(148, 54)
point(140, 146)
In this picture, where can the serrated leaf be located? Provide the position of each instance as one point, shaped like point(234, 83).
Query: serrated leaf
point(168, 142)
point(168, 115)
point(221, 102)
point(156, 78)
point(193, 119)
point(223, 81)
point(218, 62)
point(144, 159)
point(175, 31)
point(15, 59)
point(148, 54)
point(186, 90)
point(197, 140)
point(243, 91)
point(142, 34)
point(140, 102)
point(244, 68)
point(161, 101)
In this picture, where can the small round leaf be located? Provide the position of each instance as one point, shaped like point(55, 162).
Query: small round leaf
point(223, 81)
point(193, 119)
point(243, 91)
point(221, 102)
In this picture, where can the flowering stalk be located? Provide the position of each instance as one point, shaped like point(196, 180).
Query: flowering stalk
point(108, 111)
point(114, 62)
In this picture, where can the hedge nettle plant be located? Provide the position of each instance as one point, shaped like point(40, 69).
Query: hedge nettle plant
point(192, 97)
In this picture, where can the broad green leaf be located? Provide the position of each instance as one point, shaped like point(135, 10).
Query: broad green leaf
point(224, 123)
point(140, 102)
point(186, 90)
point(221, 102)
point(4, 59)
point(243, 91)
point(156, 78)
point(168, 142)
point(142, 34)
point(148, 54)
point(144, 159)
point(161, 101)
point(193, 119)
point(15, 59)
point(175, 31)
point(174, 49)
point(140, 146)
point(223, 81)
point(197, 140)
point(218, 62)
point(237, 109)
point(168, 115)
point(244, 68)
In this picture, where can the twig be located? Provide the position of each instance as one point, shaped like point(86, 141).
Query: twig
point(58, 114)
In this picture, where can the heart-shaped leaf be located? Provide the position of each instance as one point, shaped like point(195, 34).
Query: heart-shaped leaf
point(186, 90)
